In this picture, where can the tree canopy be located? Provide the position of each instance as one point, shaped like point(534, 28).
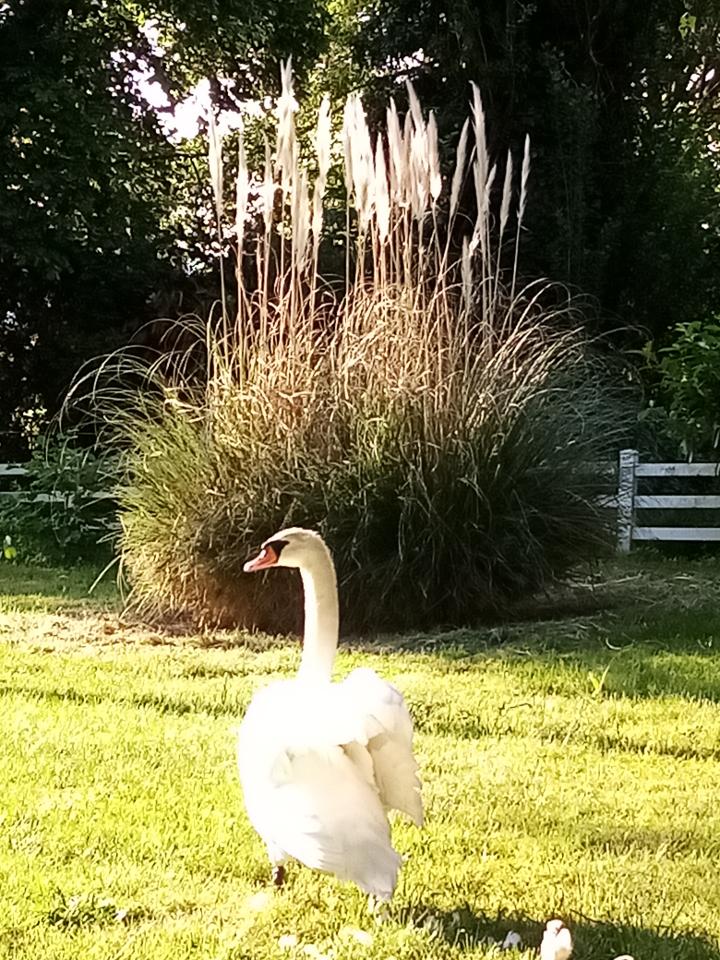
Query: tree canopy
point(621, 102)
point(99, 203)
point(92, 192)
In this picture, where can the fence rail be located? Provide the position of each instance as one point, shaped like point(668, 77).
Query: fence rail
point(15, 470)
point(12, 470)
point(627, 501)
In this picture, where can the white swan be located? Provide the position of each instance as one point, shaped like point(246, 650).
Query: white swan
point(321, 762)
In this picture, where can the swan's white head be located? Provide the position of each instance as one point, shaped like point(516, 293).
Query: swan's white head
point(294, 547)
point(554, 926)
point(305, 550)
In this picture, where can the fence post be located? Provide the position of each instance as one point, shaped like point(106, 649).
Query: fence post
point(627, 488)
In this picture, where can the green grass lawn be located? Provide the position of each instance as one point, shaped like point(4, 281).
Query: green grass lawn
point(571, 767)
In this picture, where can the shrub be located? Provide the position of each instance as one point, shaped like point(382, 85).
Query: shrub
point(685, 408)
point(437, 424)
point(58, 518)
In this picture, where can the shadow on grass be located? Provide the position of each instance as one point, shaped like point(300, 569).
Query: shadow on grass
point(643, 671)
point(51, 590)
point(593, 940)
point(650, 652)
point(639, 674)
point(658, 632)
point(672, 842)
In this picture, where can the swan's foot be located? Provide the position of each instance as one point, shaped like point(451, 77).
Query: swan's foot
point(278, 875)
point(378, 909)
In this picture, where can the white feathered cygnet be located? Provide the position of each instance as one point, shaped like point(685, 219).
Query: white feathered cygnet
point(556, 942)
point(512, 941)
point(321, 763)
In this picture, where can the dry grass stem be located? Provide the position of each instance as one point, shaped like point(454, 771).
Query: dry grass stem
point(422, 413)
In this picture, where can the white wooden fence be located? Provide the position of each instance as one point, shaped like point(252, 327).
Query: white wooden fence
point(12, 470)
point(627, 501)
point(17, 470)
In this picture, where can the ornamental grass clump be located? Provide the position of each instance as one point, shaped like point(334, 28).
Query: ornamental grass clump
point(436, 421)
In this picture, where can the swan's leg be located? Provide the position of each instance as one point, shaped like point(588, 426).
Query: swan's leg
point(277, 862)
point(378, 908)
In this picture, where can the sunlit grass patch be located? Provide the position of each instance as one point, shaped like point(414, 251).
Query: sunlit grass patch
point(549, 791)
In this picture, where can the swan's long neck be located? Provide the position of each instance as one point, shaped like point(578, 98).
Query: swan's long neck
point(321, 616)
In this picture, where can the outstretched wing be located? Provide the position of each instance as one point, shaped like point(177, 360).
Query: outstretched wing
point(385, 729)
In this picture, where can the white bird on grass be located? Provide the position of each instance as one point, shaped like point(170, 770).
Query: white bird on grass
point(321, 762)
point(556, 942)
point(512, 941)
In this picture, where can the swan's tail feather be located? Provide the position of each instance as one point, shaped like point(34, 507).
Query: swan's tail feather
point(378, 873)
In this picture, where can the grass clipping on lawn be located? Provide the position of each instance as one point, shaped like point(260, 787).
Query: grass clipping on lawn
point(435, 422)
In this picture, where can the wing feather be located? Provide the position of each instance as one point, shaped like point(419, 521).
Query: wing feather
point(313, 799)
point(385, 729)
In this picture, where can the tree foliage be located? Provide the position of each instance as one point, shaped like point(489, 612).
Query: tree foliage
point(99, 210)
point(684, 380)
point(96, 205)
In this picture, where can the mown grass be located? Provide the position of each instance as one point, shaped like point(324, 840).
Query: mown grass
point(571, 767)
point(27, 588)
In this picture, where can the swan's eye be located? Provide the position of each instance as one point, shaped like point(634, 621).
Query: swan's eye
point(277, 547)
point(268, 556)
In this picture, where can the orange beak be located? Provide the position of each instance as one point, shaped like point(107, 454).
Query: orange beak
point(266, 558)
